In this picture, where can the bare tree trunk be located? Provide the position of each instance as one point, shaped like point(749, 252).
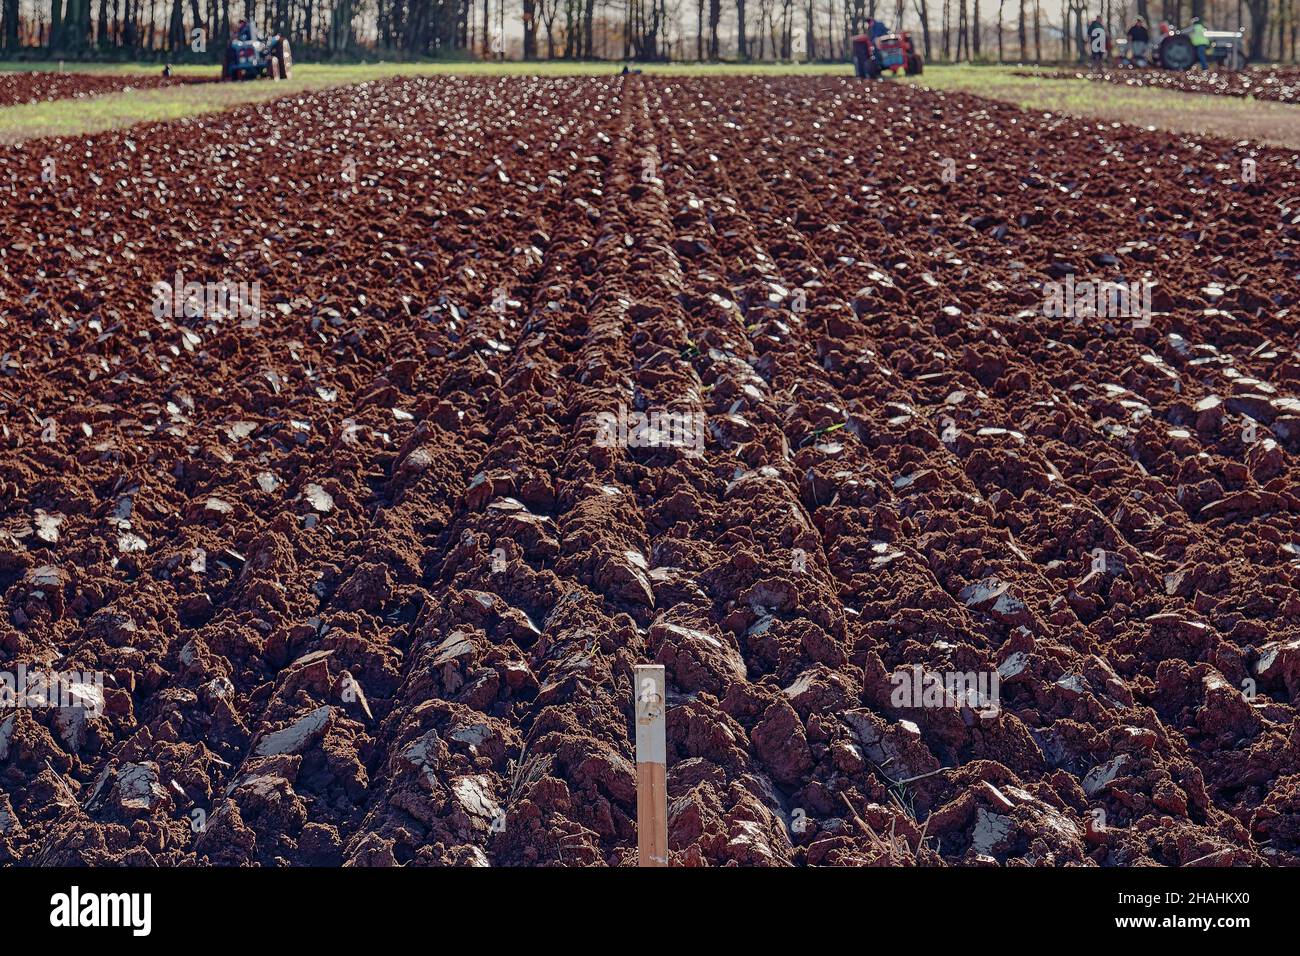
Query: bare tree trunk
point(530, 29)
point(75, 26)
point(1038, 35)
point(1283, 28)
point(1294, 25)
point(1289, 33)
point(741, 47)
point(922, 11)
point(339, 38)
point(11, 24)
point(546, 13)
point(56, 24)
point(1279, 27)
point(1080, 36)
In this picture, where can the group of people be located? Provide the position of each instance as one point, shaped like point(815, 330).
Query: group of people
point(1139, 41)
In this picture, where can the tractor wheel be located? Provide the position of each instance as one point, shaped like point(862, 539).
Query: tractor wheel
point(283, 58)
point(913, 65)
point(1176, 52)
point(873, 68)
point(860, 67)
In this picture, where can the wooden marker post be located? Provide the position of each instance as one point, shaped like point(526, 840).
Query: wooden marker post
point(651, 703)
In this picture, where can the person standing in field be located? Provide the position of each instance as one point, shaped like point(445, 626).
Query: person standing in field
point(1139, 40)
point(1097, 41)
point(1200, 42)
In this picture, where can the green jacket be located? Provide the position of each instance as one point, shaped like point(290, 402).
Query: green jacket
point(1197, 33)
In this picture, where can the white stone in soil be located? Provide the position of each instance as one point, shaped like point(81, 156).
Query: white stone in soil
point(297, 736)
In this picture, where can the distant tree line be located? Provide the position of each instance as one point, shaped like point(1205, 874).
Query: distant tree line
point(645, 30)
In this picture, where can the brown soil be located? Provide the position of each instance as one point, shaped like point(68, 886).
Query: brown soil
point(1279, 84)
point(37, 87)
point(367, 588)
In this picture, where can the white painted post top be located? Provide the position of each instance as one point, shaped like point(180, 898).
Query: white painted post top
point(651, 706)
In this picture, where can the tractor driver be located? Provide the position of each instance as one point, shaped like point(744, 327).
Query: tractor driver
point(1139, 39)
point(245, 31)
point(1200, 42)
point(876, 29)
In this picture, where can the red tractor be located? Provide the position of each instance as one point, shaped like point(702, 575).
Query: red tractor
point(890, 51)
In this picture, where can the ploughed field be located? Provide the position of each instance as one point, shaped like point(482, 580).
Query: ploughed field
point(37, 87)
point(367, 573)
point(1280, 84)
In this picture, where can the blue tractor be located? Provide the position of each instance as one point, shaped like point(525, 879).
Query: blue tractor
point(248, 56)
